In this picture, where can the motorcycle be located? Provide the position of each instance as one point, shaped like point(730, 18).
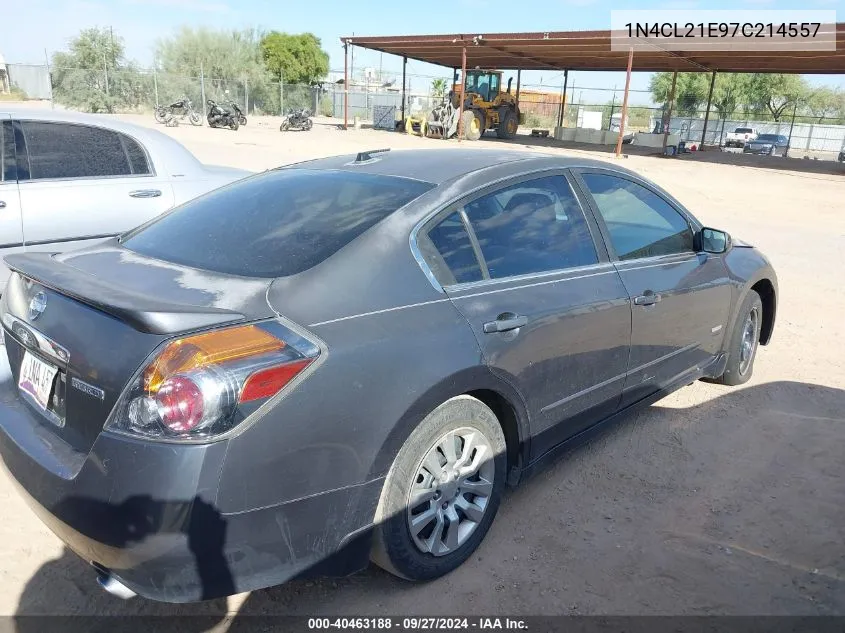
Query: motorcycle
point(171, 114)
point(240, 113)
point(299, 119)
point(218, 116)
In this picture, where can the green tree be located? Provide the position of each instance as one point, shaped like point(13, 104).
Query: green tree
point(294, 59)
point(729, 92)
point(775, 93)
point(690, 91)
point(824, 102)
point(230, 61)
point(94, 76)
point(438, 87)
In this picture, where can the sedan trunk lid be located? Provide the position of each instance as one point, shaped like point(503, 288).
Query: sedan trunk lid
point(97, 314)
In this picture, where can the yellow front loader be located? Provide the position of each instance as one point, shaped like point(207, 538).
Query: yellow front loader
point(486, 107)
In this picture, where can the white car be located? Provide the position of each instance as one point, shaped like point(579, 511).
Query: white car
point(70, 179)
point(740, 136)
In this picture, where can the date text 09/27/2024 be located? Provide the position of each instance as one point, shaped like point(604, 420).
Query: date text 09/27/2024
point(416, 623)
point(783, 30)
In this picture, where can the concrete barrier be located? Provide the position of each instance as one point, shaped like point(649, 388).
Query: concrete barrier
point(655, 140)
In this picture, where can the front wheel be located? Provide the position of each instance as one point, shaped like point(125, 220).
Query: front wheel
point(307, 125)
point(442, 491)
point(160, 115)
point(745, 339)
point(195, 118)
point(242, 120)
point(233, 124)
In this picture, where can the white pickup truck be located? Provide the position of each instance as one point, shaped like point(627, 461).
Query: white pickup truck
point(740, 136)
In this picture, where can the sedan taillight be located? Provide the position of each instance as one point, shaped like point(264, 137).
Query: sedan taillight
point(200, 386)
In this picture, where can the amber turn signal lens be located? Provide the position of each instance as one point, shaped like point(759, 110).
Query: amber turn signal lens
point(201, 350)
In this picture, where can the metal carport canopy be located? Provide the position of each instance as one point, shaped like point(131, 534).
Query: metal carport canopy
point(591, 50)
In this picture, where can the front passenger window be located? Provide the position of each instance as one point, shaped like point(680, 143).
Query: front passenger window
point(640, 223)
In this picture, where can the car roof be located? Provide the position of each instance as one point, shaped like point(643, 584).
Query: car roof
point(441, 165)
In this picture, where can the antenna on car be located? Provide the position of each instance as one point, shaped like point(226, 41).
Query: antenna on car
point(364, 157)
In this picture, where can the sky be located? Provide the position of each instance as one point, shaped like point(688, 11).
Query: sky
point(30, 27)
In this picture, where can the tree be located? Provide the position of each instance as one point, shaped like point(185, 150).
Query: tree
point(690, 91)
point(93, 75)
point(824, 102)
point(230, 62)
point(775, 92)
point(438, 87)
point(294, 59)
point(729, 92)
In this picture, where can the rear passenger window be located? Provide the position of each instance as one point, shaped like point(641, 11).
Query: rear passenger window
point(65, 150)
point(137, 157)
point(532, 227)
point(451, 240)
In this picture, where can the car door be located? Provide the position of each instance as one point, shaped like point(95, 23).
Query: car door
point(11, 228)
point(83, 183)
point(680, 298)
point(548, 309)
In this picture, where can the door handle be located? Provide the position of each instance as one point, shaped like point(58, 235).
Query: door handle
point(145, 193)
point(504, 323)
point(647, 299)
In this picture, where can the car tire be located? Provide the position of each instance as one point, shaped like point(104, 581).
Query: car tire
point(444, 534)
point(741, 350)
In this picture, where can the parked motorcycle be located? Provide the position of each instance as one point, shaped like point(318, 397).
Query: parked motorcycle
point(219, 116)
point(299, 119)
point(176, 111)
point(239, 113)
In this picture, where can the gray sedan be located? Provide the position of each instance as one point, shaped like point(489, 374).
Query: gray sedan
point(350, 358)
point(69, 179)
point(768, 144)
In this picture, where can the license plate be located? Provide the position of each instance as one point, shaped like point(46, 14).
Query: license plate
point(37, 378)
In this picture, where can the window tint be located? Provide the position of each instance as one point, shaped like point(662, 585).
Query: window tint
point(276, 224)
point(531, 227)
point(451, 240)
point(769, 137)
point(8, 162)
point(640, 223)
point(743, 130)
point(137, 157)
point(62, 150)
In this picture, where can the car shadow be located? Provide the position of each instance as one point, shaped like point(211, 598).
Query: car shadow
point(765, 426)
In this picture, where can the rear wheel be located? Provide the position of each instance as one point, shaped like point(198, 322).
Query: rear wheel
point(508, 124)
point(233, 124)
point(307, 125)
point(442, 492)
point(745, 339)
point(196, 119)
point(160, 114)
point(242, 120)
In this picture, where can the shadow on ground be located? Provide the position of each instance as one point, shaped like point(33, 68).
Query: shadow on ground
point(732, 506)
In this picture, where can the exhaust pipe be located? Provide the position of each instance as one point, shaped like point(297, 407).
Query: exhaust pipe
point(115, 587)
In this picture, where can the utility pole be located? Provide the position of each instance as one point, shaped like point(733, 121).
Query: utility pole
point(49, 78)
point(106, 73)
point(202, 93)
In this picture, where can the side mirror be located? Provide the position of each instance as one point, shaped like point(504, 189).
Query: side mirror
point(712, 241)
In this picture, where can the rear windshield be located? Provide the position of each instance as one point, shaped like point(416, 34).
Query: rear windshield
point(275, 224)
point(743, 130)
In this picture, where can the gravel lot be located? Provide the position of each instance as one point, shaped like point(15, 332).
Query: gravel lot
point(713, 501)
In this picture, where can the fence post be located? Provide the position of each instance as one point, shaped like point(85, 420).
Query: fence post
point(49, 79)
point(106, 74)
point(791, 125)
point(246, 95)
point(155, 82)
point(281, 93)
point(809, 137)
point(202, 94)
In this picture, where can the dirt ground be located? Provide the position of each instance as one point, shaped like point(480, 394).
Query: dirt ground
point(713, 501)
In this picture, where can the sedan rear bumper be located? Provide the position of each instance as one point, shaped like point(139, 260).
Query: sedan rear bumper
point(146, 513)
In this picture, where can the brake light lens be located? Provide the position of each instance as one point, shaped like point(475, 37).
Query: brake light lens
point(203, 385)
